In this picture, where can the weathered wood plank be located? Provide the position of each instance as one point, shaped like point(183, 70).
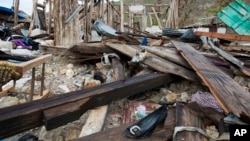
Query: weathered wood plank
point(156, 62)
point(187, 117)
point(117, 134)
point(26, 116)
point(168, 54)
point(227, 56)
point(226, 36)
point(232, 97)
point(97, 116)
point(91, 48)
point(235, 48)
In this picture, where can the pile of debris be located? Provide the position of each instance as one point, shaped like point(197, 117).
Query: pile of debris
point(129, 94)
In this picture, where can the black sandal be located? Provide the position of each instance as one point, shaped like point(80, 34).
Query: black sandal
point(145, 127)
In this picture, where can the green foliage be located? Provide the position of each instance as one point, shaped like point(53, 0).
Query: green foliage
point(221, 5)
point(212, 10)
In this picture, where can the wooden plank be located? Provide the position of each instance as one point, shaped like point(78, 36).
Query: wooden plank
point(232, 97)
point(117, 133)
point(97, 116)
point(168, 54)
point(16, 10)
point(49, 17)
point(25, 66)
point(226, 36)
point(156, 62)
point(32, 22)
point(29, 115)
point(6, 90)
point(95, 121)
point(122, 16)
point(188, 118)
point(235, 48)
point(91, 48)
point(158, 20)
point(227, 56)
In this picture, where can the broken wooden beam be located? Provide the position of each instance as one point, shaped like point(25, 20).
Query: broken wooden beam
point(56, 111)
point(156, 62)
point(225, 36)
point(117, 133)
point(232, 97)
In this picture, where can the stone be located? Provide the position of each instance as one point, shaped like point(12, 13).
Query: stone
point(63, 71)
point(171, 97)
point(69, 73)
point(70, 66)
point(184, 97)
point(99, 65)
point(48, 70)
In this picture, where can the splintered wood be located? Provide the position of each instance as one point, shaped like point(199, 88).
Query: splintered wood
point(229, 94)
point(156, 62)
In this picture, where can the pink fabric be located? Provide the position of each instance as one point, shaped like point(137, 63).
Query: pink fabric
point(206, 99)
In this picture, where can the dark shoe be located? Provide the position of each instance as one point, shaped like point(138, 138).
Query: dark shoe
point(145, 127)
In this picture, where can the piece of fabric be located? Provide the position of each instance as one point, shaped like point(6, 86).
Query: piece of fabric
point(206, 99)
point(19, 42)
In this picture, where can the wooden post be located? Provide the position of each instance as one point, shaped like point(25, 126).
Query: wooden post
point(34, 12)
point(91, 7)
point(50, 16)
point(66, 34)
point(122, 16)
point(16, 12)
point(158, 20)
point(86, 20)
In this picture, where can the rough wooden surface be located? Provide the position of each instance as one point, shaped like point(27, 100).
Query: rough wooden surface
point(65, 34)
point(91, 48)
point(16, 119)
point(232, 97)
point(16, 10)
point(187, 117)
point(97, 116)
point(117, 133)
point(168, 54)
point(227, 56)
point(156, 62)
point(226, 36)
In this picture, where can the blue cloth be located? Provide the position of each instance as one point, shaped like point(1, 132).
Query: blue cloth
point(144, 41)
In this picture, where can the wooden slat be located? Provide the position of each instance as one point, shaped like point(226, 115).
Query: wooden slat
point(232, 97)
point(168, 54)
point(227, 56)
point(117, 133)
point(91, 48)
point(226, 36)
point(156, 62)
point(187, 117)
point(25, 66)
point(50, 111)
point(236, 48)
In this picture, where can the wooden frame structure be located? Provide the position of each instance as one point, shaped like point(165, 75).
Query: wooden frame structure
point(25, 66)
